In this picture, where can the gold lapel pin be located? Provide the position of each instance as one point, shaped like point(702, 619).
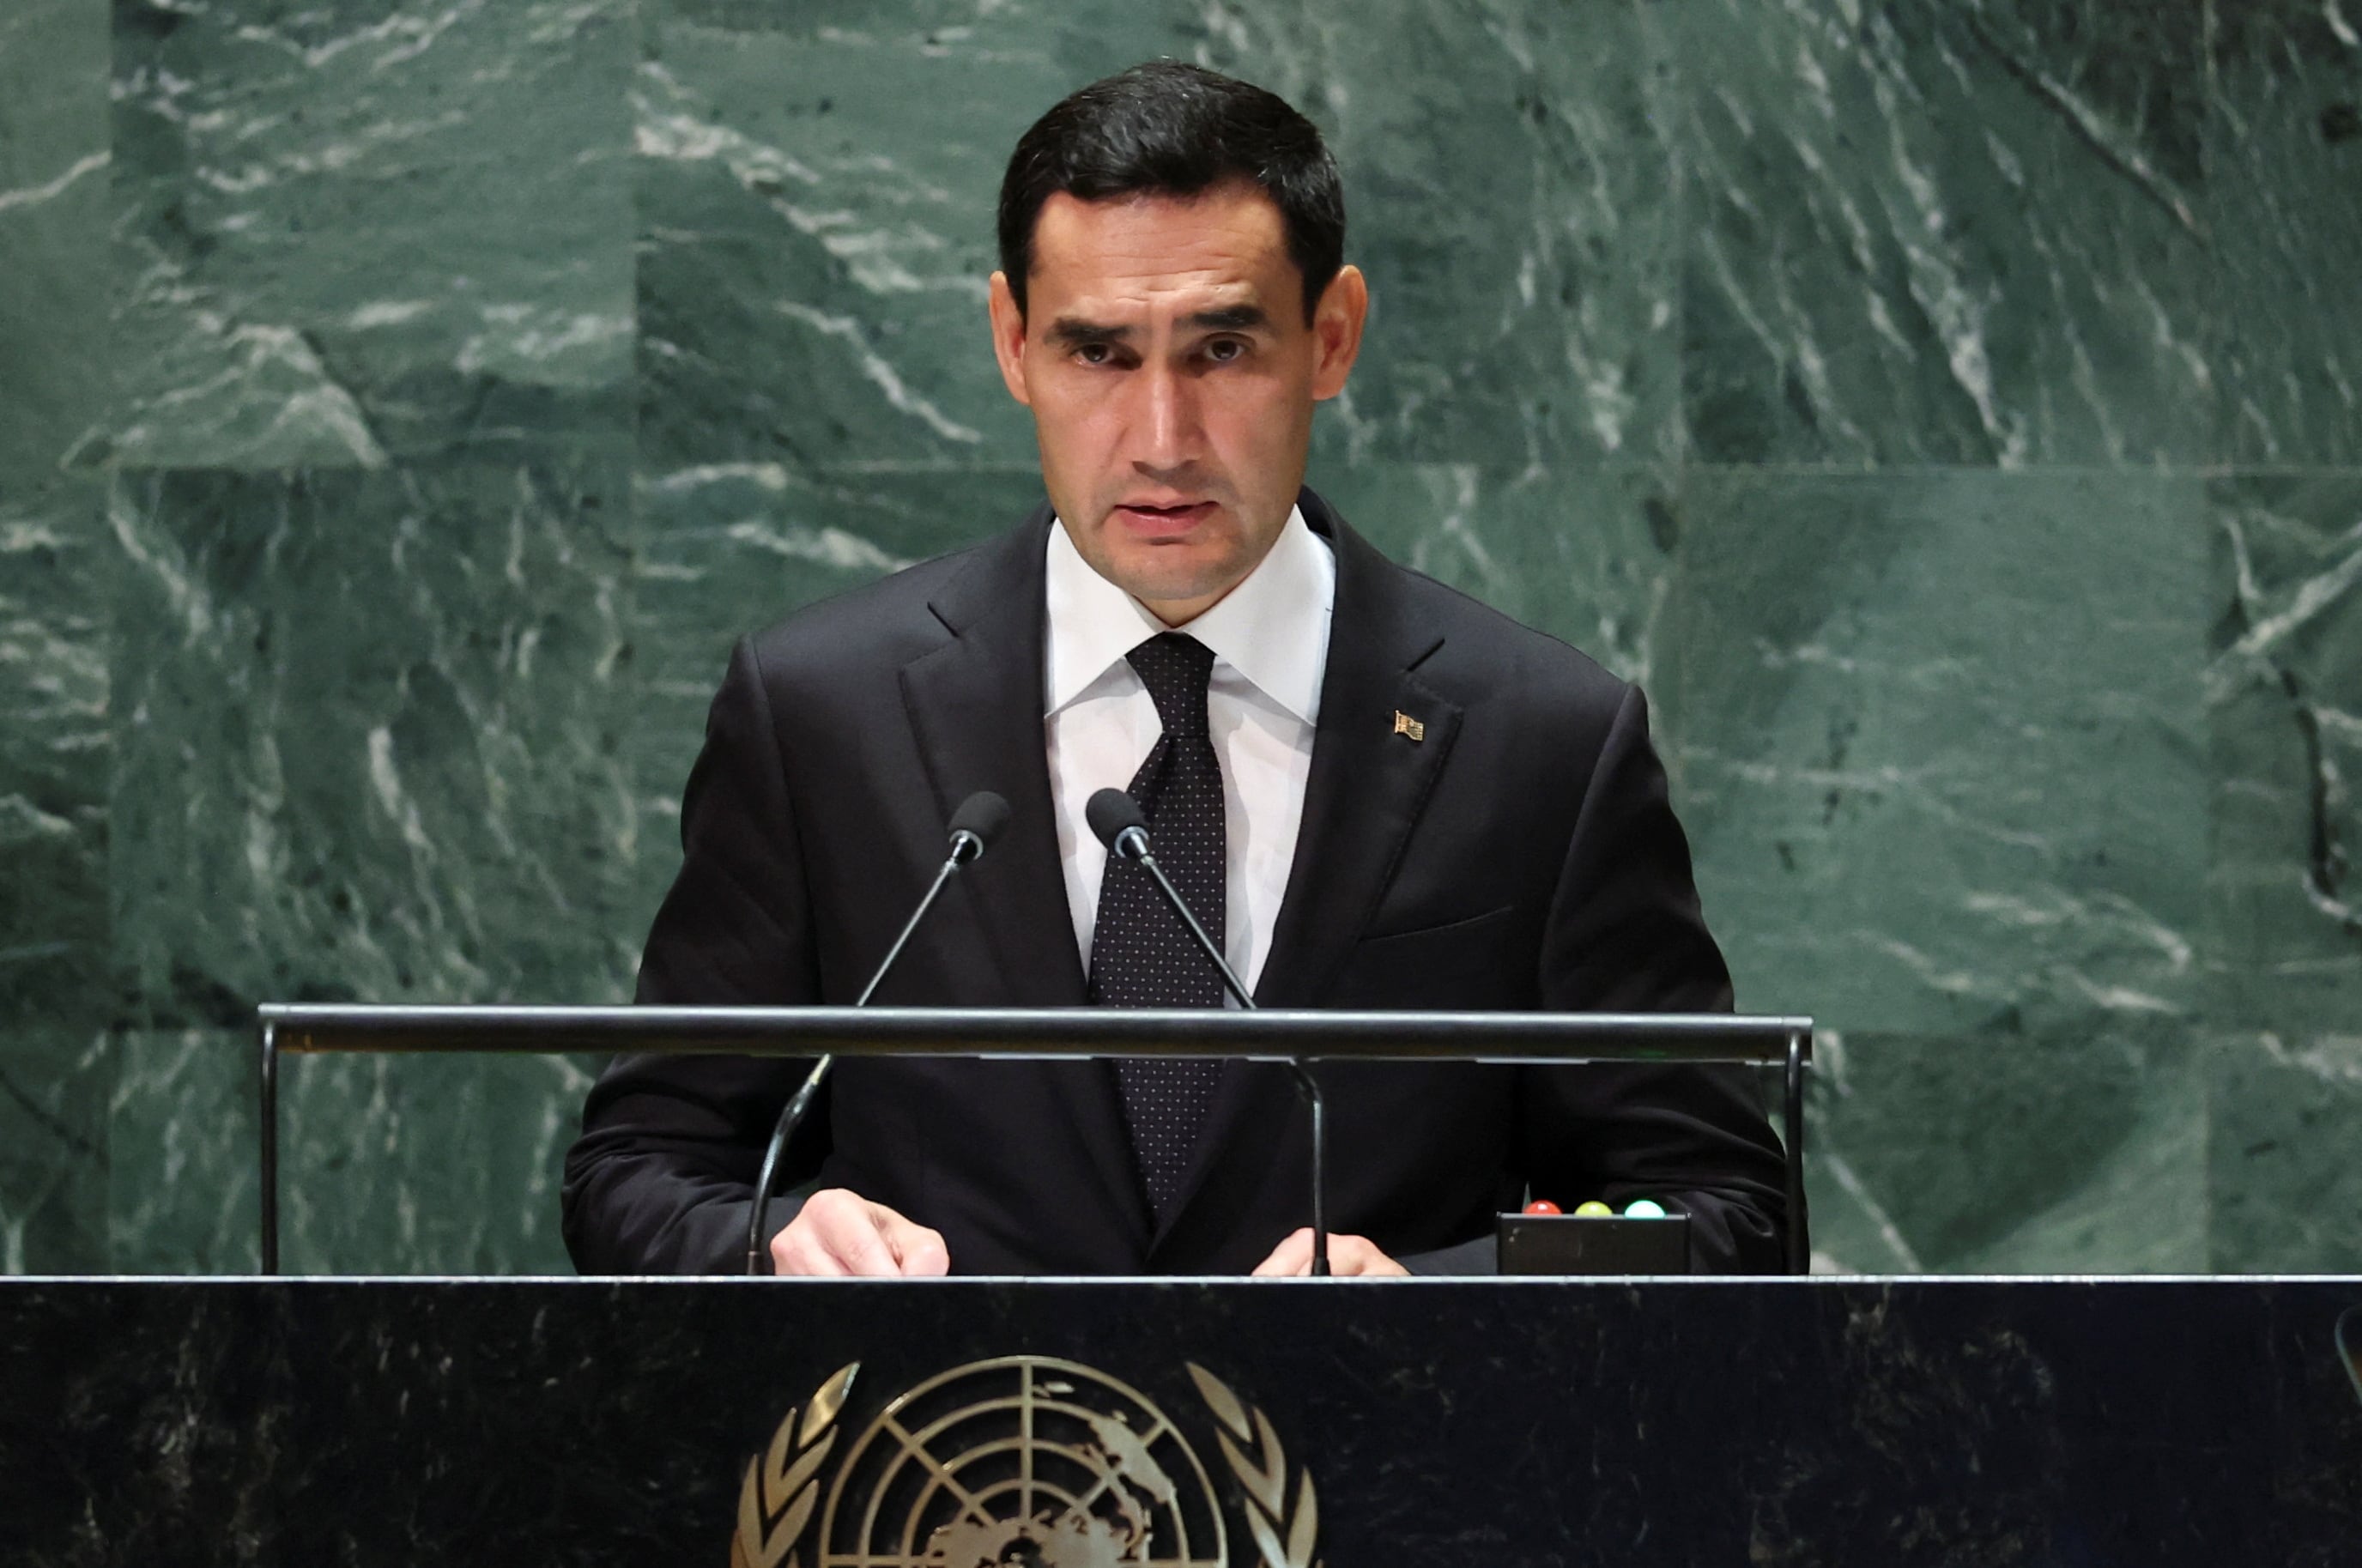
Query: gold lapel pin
point(1406, 725)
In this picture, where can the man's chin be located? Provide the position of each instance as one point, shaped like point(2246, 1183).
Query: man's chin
point(1165, 591)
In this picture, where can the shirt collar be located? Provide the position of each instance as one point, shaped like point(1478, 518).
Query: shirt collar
point(1272, 628)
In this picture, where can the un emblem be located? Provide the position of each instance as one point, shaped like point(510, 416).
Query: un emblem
point(1018, 1459)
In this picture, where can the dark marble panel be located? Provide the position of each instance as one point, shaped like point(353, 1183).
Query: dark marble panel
point(369, 737)
point(2287, 1190)
point(2080, 1147)
point(53, 1151)
point(53, 159)
point(55, 589)
point(355, 231)
point(1510, 186)
point(2284, 704)
point(2283, 161)
point(183, 1166)
point(1532, 1422)
point(1945, 763)
point(1584, 554)
point(1965, 232)
point(388, 1164)
point(426, 1165)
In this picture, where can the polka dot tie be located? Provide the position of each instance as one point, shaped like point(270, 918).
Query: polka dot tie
point(1141, 955)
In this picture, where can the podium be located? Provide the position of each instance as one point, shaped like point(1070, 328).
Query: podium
point(1189, 1422)
point(1302, 1038)
point(1360, 1424)
point(1221, 1423)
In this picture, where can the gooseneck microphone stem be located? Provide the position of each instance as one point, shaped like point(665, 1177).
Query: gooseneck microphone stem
point(800, 1103)
point(1132, 844)
point(791, 1118)
point(934, 890)
point(978, 819)
point(1310, 1091)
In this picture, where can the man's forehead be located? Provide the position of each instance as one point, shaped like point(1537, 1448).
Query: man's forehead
point(1223, 249)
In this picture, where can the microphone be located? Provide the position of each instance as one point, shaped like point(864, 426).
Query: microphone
point(973, 826)
point(1115, 818)
point(1118, 821)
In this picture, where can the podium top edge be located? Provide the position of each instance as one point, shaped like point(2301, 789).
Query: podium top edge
point(1529, 1038)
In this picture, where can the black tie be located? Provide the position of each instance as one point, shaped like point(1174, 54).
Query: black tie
point(1141, 955)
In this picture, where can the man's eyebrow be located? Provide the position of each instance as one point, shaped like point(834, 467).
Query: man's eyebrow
point(1232, 318)
point(1073, 332)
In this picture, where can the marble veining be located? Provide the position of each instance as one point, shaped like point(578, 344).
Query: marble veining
point(1955, 690)
point(2284, 691)
point(55, 161)
point(2284, 156)
point(348, 234)
point(1957, 234)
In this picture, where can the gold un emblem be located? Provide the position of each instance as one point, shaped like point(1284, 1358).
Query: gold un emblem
point(1021, 1459)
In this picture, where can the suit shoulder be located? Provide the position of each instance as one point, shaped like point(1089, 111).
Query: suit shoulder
point(883, 622)
point(1494, 654)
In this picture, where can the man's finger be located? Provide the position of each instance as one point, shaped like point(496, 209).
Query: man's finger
point(832, 1236)
point(792, 1254)
point(850, 1235)
point(1291, 1257)
point(1350, 1257)
point(920, 1253)
point(1358, 1257)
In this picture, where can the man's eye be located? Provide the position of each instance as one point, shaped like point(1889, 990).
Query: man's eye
point(1095, 353)
point(1222, 351)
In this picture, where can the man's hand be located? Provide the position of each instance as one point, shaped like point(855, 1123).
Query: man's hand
point(1347, 1256)
point(841, 1233)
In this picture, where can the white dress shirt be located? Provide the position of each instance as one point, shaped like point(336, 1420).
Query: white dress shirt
point(1269, 637)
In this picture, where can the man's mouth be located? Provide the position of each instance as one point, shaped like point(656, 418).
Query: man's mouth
point(1153, 518)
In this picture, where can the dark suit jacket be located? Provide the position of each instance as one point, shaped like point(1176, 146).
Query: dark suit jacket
point(1521, 854)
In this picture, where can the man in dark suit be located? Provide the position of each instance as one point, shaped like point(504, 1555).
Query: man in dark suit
point(1377, 792)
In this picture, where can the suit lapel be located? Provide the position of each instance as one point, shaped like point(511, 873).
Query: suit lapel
point(975, 707)
point(1364, 795)
point(1368, 783)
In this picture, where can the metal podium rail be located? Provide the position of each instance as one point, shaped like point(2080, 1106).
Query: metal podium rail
point(1516, 1039)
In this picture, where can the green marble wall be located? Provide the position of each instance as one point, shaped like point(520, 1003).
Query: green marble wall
point(1953, 411)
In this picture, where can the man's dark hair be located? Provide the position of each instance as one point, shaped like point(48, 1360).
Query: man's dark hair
point(1165, 129)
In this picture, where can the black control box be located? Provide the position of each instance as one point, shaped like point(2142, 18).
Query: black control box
point(1567, 1243)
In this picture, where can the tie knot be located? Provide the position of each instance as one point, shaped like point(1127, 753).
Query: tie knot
point(1177, 668)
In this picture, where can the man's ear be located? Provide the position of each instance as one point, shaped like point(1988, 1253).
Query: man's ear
point(1008, 338)
point(1337, 331)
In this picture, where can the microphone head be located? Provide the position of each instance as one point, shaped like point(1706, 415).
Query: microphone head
point(977, 823)
point(984, 814)
point(1111, 814)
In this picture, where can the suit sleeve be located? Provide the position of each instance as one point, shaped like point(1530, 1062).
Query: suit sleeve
point(1626, 935)
point(662, 1176)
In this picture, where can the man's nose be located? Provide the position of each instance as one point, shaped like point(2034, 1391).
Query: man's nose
point(1169, 432)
